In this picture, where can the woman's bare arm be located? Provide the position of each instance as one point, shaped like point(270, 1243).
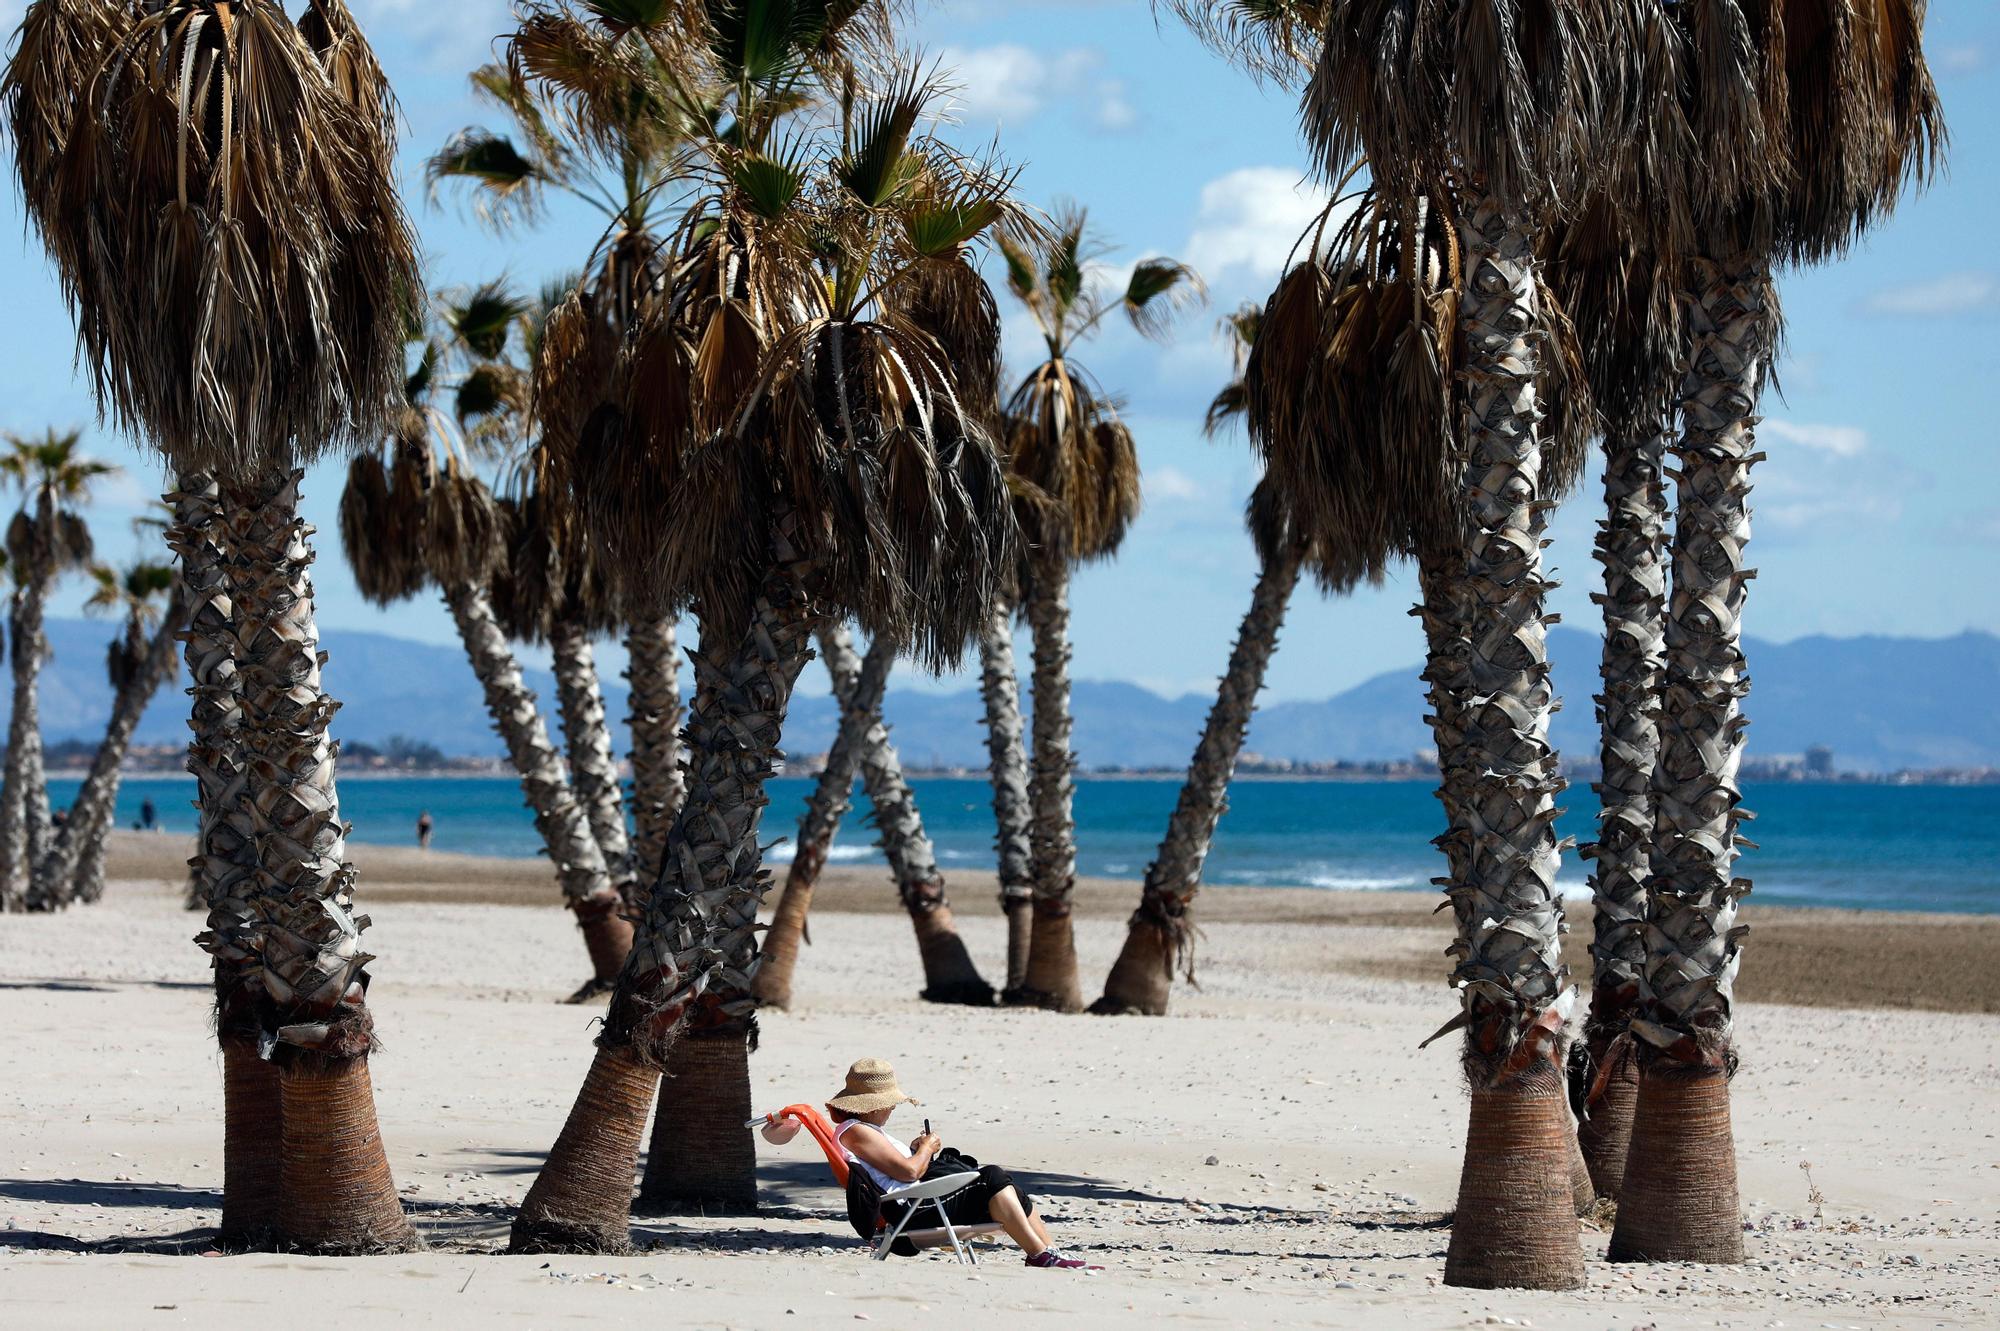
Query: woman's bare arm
point(874, 1149)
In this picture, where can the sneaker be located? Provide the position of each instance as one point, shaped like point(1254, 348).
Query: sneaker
point(1050, 1260)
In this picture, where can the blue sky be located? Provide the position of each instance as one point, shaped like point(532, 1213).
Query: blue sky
point(1877, 513)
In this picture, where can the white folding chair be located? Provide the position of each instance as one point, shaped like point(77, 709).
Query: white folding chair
point(932, 1193)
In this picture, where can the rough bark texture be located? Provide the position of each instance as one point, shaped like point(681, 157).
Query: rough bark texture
point(1631, 541)
point(339, 1196)
point(74, 867)
point(1680, 1202)
point(653, 670)
point(281, 905)
point(29, 644)
point(949, 975)
point(253, 1149)
point(1515, 1227)
point(1007, 765)
point(694, 961)
point(587, 739)
point(1052, 977)
point(252, 1104)
point(565, 829)
point(1509, 972)
point(859, 692)
point(1160, 937)
point(582, 1199)
point(702, 1160)
point(1683, 1028)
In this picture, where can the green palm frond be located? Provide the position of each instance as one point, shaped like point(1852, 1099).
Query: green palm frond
point(877, 165)
point(508, 185)
point(1158, 292)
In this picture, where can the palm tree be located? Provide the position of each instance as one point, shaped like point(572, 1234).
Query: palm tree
point(243, 163)
point(1068, 447)
point(140, 662)
point(582, 91)
point(858, 694)
point(425, 520)
point(47, 538)
point(841, 479)
point(1160, 937)
point(1007, 769)
point(1617, 281)
point(863, 747)
point(652, 674)
point(1805, 129)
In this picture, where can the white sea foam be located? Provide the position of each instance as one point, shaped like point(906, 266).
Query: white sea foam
point(786, 852)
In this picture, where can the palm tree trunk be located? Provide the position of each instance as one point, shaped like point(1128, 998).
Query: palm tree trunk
point(859, 694)
point(1680, 1198)
point(1516, 1219)
point(253, 1108)
point(1052, 976)
point(18, 835)
point(1630, 544)
point(949, 974)
point(587, 739)
point(653, 671)
point(695, 958)
point(1007, 759)
point(287, 891)
point(1160, 937)
point(74, 867)
point(565, 830)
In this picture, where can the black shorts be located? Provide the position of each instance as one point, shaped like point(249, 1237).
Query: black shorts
point(970, 1205)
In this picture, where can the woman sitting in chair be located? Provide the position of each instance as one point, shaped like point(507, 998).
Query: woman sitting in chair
point(860, 1114)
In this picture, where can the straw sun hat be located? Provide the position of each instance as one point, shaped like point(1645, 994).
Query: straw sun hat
point(871, 1085)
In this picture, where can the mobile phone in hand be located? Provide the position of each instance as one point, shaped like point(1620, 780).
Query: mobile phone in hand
point(927, 1127)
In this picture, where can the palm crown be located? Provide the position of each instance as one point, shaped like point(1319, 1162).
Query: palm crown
point(1065, 440)
point(778, 365)
point(55, 477)
point(215, 183)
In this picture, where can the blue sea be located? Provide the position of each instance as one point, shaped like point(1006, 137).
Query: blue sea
point(1919, 848)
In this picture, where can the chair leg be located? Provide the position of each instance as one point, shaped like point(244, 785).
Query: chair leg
point(889, 1239)
point(951, 1233)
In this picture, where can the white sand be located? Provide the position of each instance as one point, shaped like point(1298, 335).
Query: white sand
point(1338, 1147)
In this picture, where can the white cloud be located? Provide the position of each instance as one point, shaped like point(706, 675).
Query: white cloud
point(1249, 221)
point(1977, 528)
point(1939, 298)
point(1169, 483)
point(1009, 82)
point(1958, 59)
point(1841, 441)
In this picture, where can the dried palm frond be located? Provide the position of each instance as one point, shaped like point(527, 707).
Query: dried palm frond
point(901, 496)
point(387, 564)
point(949, 300)
point(464, 537)
point(1065, 439)
point(225, 222)
point(1528, 100)
point(1349, 384)
point(59, 50)
point(523, 584)
point(1276, 40)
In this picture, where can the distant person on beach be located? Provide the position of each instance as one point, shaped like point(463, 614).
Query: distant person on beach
point(148, 815)
point(424, 826)
point(862, 1111)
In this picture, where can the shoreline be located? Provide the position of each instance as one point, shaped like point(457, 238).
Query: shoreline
point(1811, 956)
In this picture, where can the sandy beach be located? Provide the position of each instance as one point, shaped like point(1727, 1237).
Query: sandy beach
point(1334, 1142)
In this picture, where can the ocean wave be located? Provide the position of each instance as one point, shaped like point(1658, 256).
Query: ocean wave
point(786, 852)
point(1362, 883)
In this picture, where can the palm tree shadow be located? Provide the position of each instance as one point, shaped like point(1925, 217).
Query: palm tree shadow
point(62, 986)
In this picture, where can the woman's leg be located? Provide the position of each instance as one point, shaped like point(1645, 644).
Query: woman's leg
point(1006, 1209)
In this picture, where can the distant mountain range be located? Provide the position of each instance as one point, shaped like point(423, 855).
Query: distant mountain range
point(1881, 703)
